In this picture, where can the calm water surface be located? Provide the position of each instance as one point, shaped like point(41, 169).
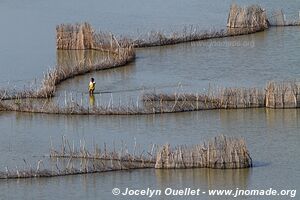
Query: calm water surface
point(28, 48)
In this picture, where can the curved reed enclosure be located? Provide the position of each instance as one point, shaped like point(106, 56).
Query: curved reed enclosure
point(71, 37)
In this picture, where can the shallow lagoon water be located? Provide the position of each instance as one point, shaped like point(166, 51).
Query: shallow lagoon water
point(272, 137)
point(28, 49)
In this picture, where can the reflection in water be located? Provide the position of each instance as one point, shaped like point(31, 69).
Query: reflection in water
point(287, 117)
point(70, 58)
point(92, 100)
point(207, 178)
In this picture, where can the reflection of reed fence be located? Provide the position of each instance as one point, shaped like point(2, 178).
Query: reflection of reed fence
point(220, 152)
point(70, 58)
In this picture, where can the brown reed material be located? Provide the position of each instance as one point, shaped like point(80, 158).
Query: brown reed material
point(221, 152)
point(78, 36)
point(283, 94)
point(248, 17)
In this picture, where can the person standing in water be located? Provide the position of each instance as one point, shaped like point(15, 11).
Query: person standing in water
point(92, 85)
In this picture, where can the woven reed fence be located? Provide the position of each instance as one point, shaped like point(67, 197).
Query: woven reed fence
point(84, 37)
point(221, 152)
point(283, 95)
point(247, 17)
point(78, 36)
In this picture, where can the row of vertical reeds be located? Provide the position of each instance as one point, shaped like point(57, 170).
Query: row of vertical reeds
point(247, 17)
point(78, 36)
point(83, 37)
point(220, 152)
point(283, 95)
